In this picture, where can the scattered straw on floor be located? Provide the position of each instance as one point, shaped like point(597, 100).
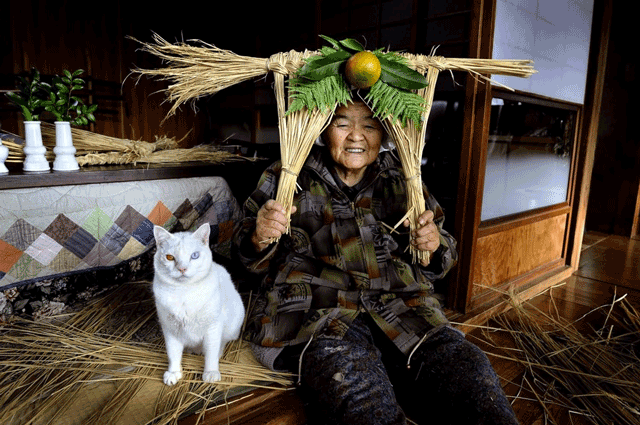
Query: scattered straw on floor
point(590, 366)
point(104, 364)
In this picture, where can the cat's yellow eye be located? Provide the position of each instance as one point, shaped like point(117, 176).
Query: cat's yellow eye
point(170, 257)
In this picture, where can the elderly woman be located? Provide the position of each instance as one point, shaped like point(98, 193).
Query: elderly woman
point(341, 303)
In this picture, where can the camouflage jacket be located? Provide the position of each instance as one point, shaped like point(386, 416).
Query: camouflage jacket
point(340, 260)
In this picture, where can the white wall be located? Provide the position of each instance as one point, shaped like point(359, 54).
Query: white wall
point(553, 33)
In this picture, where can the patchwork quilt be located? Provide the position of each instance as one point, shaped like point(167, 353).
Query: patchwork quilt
point(49, 233)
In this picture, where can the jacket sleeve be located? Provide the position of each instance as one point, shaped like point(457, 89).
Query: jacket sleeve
point(242, 247)
point(446, 256)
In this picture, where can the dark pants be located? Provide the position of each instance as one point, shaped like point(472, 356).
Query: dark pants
point(351, 381)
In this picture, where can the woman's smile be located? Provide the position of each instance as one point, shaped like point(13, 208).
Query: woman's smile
point(353, 137)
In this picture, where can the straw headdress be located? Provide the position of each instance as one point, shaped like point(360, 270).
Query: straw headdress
point(401, 98)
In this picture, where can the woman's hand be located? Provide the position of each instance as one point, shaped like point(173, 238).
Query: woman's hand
point(271, 223)
point(426, 237)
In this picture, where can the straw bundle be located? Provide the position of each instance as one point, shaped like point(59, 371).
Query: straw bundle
point(204, 70)
point(104, 365)
point(410, 142)
point(410, 139)
point(97, 149)
point(594, 374)
point(298, 132)
point(479, 68)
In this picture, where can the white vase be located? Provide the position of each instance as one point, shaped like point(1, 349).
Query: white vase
point(64, 150)
point(4, 153)
point(33, 149)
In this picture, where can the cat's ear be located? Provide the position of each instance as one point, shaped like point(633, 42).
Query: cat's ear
point(160, 234)
point(202, 233)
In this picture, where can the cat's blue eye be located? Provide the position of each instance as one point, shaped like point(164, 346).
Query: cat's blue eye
point(195, 255)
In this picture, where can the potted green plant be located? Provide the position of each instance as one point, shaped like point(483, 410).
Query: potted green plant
point(68, 109)
point(28, 97)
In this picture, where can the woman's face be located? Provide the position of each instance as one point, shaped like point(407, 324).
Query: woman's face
point(353, 138)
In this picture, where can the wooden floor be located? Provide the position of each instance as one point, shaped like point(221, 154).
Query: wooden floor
point(609, 266)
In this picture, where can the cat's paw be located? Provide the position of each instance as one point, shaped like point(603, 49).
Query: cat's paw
point(170, 378)
point(211, 376)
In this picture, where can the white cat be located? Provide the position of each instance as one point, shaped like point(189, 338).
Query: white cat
point(198, 305)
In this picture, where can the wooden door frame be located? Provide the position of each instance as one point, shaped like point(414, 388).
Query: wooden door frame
point(473, 154)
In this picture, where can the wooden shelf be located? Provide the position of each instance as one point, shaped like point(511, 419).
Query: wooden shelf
point(17, 178)
point(248, 171)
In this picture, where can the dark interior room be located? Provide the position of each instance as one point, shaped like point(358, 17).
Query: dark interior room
point(562, 251)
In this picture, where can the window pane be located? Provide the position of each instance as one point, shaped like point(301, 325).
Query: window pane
point(529, 157)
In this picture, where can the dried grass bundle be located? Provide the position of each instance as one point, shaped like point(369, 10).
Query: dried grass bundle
point(15, 151)
point(298, 132)
point(410, 142)
point(88, 142)
point(594, 373)
point(202, 70)
point(197, 153)
point(97, 149)
point(104, 365)
point(479, 68)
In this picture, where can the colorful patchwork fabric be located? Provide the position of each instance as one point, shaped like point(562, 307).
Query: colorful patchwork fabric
point(58, 231)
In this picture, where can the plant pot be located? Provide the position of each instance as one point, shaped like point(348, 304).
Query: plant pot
point(64, 150)
point(4, 153)
point(33, 149)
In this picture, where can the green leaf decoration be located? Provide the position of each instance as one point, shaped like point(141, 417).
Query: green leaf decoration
point(352, 44)
point(334, 43)
point(326, 50)
point(320, 83)
point(397, 74)
point(387, 101)
point(323, 94)
point(324, 66)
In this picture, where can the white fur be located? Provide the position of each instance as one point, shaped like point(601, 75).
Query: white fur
point(198, 305)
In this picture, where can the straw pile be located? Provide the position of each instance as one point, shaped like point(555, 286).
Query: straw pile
point(594, 372)
point(104, 364)
point(97, 149)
